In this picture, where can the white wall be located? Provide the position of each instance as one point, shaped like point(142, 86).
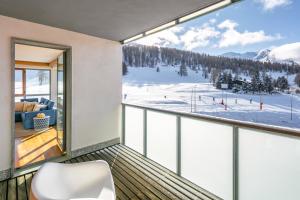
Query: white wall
point(96, 82)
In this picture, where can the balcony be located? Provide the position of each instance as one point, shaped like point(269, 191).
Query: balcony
point(135, 177)
point(163, 154)
point(172, 155)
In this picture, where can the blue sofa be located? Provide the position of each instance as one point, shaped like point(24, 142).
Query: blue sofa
point(18, 115)
point(27, 117)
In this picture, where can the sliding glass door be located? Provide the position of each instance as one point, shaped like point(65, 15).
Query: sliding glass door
point(60, 101)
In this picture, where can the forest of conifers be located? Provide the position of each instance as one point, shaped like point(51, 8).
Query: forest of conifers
point(150, 56)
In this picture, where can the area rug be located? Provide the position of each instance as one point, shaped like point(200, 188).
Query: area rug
point(21, 132)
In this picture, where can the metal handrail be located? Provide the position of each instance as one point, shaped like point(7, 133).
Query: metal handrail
point(219, 120)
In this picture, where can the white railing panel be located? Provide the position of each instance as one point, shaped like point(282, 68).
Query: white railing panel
point(269, 166)
point(134, 128)
point(161, 139)
point(207, 156)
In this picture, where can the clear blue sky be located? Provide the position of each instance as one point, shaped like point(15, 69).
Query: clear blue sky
point(249, 25)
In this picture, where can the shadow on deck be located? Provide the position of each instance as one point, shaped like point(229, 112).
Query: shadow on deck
point(135, 177)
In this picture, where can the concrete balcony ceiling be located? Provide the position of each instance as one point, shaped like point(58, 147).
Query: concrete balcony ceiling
point(111, 19)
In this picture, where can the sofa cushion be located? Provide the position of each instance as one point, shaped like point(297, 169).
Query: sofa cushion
point(38, 107)
point(19, 106)
point(28, 106)
point(46, 102)
point(50, 105)
point(42, 100)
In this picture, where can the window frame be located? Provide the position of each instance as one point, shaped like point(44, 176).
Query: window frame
point(24, 82)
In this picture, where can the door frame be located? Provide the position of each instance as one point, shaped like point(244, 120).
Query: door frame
point(67, 107)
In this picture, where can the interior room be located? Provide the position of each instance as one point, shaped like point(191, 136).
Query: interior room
point(39, 80)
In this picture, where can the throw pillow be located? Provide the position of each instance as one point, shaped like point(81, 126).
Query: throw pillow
point(28, 106)
point(38, 107)
point(19, 106)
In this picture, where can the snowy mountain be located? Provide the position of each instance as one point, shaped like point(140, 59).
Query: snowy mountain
point(286, 54)
point(263, 56)
point(247, 55)
point(267, 55)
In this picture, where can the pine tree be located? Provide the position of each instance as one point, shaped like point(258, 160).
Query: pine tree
point(229, 81)
point(219, 81)
point(124, 68)
point(268, 84)
point(183, 70)
point(297, 79)
point(255, 81)
point(246, 87)
point(214, 75)
point(204, 74)
point(282, 83)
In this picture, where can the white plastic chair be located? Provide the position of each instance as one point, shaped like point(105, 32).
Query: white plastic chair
point(87, 180)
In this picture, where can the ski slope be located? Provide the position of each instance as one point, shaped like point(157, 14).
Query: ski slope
point(193, 93)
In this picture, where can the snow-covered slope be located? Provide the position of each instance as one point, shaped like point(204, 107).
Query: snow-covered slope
point(169, 75)
point(167, 90)
point(166, 75)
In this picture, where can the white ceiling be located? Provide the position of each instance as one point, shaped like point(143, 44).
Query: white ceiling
point(35, 54)
point(111, 19)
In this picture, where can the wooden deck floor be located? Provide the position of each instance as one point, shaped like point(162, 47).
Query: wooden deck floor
point(135, 177)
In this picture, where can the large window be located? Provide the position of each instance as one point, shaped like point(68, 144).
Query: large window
point(32, 83)
point(37, 82)
point(19, 82)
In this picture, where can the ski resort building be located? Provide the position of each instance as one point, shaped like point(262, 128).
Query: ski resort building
point(61, 102)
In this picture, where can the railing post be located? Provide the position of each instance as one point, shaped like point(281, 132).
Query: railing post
point(145, 132)
point(123, 124)
point(235, 163)
point(178, 144)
